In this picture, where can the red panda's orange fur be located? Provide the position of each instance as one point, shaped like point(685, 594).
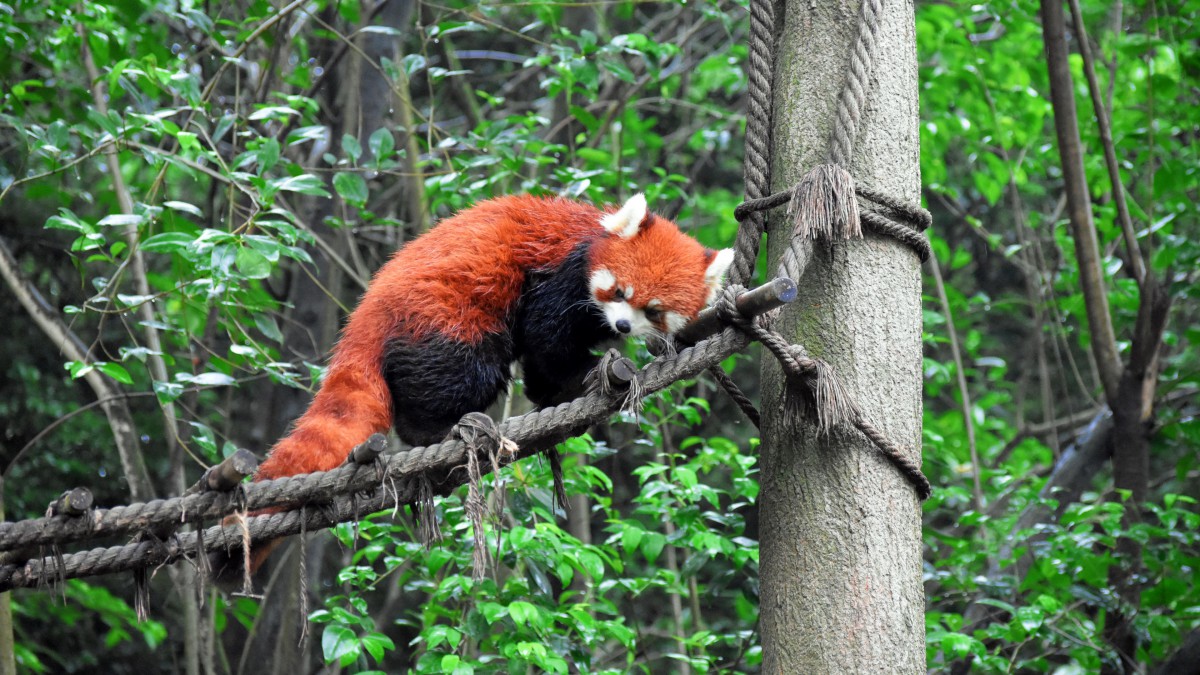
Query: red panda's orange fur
point(459, 279)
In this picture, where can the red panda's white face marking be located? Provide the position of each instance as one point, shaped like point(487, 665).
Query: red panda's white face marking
point(602, 280)
point(675, 321)
point(648, 277)
point(627, 319)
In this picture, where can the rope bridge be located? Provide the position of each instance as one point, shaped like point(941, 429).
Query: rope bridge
point(824, 205)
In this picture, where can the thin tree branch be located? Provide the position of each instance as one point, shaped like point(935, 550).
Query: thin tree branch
point(157, 365)
point(1079, 207)
point(1136, 262)
point(956, 353)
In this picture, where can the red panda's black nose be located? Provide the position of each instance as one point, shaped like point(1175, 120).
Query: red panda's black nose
point(623, 326)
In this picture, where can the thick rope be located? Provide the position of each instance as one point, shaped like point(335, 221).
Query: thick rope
point(757, 172)
point(883, 215)
point(337, 491)
point(736, 394)
point(482, 437)
point(757, 165)
point(897, 209)
point(853, 98)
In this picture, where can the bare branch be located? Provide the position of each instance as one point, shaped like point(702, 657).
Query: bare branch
point(158, 366)
point(1136, 262)
point(1079, 207)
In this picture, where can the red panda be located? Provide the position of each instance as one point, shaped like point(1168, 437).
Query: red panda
point(521, 278)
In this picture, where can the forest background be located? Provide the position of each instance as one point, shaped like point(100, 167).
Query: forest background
point(201, 190)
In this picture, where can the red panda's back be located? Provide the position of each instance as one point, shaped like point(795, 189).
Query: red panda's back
point(462, 278)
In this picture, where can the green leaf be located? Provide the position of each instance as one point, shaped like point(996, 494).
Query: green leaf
point(252, 264)
point(167, 242)
point(183, 206)
point(167, 392)
point(340, 644)
point(351, 147)
point(631, 536)
point(957, 645)
point(267, 155)
point(1030, 617)
point(188, 140)
point(352, 187)
point(382, 144)
point(686, 477)
point(67, 221)
point(78, 369)
point(588, 120)
point(376, 644)
point(267, 325)
point(619, 69)
point(278, 111)
point(305, 183)
point(592, 564)
point(210, 379)
point(652, 545)
point(122, 219)
point(522, 612)
point(116, 371)
point(492, 611)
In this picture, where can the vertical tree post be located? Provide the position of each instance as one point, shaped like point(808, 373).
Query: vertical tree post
point(841, 528)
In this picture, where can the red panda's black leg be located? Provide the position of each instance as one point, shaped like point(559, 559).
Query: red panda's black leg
point(435, 381)
point(556, 327)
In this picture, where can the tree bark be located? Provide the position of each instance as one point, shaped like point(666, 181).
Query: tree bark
point(841, 528)
point(1186, 661)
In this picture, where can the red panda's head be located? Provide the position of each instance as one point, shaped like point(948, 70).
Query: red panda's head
point(647, 276)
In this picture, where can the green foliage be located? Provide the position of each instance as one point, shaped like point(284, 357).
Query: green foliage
point(990, 163)
point(86, 612)
point(1059, 609)
point(550, 600)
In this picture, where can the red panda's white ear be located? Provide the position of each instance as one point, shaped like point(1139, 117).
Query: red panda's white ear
point(625, 222)
point(716, 271)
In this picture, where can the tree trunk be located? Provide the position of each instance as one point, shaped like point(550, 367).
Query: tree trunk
point(840, 527)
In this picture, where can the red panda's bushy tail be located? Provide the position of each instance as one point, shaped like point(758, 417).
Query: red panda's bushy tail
point(352, 404)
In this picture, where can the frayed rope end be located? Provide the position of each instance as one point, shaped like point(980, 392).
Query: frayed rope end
point(823, 205)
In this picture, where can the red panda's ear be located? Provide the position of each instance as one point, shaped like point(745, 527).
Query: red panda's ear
point(718, 264)
point(625, 222)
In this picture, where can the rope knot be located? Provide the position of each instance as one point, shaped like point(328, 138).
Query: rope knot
point(614, 376)
point(481, 435)
point(726, 306)
point(478, 431)
point(823, 205)
point(831, 403)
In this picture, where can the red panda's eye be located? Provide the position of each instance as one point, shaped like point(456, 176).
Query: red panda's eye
point(619, 294)
point(653, 315)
